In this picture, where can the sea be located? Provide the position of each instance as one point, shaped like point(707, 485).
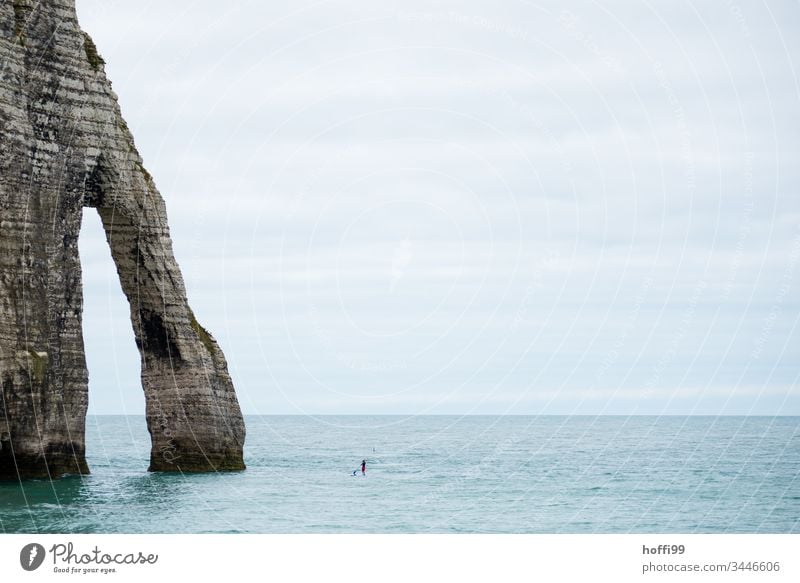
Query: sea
point(437, 474)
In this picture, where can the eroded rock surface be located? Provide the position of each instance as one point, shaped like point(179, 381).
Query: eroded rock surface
point(64, 146)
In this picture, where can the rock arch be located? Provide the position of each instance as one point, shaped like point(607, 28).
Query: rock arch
point(64, 146)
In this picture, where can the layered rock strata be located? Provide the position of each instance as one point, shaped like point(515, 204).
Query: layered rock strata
point(64, 146)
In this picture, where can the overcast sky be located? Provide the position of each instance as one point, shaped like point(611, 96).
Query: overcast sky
point(467, 207)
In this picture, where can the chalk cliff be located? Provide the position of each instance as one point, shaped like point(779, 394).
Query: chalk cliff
point(64, 146)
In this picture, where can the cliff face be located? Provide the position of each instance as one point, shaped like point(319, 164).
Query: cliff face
point(65, 146)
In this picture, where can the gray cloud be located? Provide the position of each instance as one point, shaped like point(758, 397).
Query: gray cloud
point(477, 207)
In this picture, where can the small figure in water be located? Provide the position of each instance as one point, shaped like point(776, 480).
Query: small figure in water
point(363, 467)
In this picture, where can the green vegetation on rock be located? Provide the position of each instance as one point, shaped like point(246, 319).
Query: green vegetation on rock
point(38, 366)
point(95, 60)
point(147, 175)
point(20, 15)
point(203, 335)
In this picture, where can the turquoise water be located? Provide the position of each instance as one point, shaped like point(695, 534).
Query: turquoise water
point(438, 474)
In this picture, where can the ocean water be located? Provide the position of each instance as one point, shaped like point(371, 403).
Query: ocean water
point(504, 474)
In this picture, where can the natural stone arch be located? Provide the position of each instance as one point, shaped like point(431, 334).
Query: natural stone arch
point(64, 146)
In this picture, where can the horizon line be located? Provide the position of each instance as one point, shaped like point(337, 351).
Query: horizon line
point(479, 415)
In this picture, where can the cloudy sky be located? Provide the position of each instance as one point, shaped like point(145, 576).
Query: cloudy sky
point(467, 207)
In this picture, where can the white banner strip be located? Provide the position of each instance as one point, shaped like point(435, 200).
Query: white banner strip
point(440, 558)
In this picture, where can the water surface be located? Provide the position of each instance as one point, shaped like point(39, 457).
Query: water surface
point(495, 474)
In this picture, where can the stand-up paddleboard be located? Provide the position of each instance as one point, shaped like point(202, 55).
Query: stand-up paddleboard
point(360, 469)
